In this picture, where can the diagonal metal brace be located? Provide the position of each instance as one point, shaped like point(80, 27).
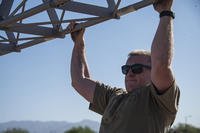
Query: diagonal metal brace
point(31, 12)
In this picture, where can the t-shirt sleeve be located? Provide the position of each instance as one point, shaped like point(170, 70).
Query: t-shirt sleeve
point(169, 100)
point(101, 97)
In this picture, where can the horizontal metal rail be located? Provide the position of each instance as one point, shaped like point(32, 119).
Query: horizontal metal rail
point(135, 7)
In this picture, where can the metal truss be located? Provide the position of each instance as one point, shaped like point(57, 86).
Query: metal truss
point(17, 31)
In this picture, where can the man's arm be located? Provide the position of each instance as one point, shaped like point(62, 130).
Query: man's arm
point(79, 70)
point(162, 49)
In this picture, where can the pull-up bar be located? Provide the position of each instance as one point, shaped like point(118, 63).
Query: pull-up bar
point(11, 23)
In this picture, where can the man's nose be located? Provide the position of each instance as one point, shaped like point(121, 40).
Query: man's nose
point(130, 73)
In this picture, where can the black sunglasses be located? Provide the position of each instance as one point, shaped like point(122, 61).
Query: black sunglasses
point(135, 68)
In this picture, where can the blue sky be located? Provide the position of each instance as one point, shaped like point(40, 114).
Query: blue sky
point(36, 85)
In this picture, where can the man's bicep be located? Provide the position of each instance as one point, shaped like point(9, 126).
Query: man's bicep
point(85, 87)
point(162, 78)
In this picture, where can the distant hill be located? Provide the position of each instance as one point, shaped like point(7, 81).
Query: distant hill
point(48, 127)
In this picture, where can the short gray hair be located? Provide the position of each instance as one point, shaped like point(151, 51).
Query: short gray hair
point(145, 53)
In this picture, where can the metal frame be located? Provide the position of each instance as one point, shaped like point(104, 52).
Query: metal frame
point(12, 22)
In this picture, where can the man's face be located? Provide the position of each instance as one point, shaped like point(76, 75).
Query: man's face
point(134, 80)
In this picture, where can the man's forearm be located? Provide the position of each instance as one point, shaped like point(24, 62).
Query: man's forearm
point(79, 67)
point(80, 74)
point(161, 56)
point(162, 47)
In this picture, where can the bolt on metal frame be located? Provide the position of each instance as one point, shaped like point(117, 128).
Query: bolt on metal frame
point(12, 22)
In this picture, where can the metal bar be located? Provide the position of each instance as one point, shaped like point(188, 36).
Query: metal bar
point(120, 12)
point(86, 9)
point(116, 9)
point(28, 13)
point(3, 38)
point(35, 30)
point(7, 48)
point(11, 37)
point(117, 5)
point(5, 7)
point(56, 22)
point(61, 19)
point(53, 16)
point(134, 7)
point(31, 12)
point(18, 7)
point(24, 39)
point(23, 8)
point(111, 4)
point(32, 43)
point(87, 24)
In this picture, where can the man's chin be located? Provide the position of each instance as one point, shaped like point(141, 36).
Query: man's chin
point(133, 87)
point(130, 88)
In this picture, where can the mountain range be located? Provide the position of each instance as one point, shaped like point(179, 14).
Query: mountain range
point(49, 126)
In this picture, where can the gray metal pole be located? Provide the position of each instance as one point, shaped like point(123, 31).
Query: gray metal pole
point(134, 7)
point(31, 12)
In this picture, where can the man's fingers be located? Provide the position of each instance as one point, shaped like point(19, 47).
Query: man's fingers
point(71, 26)
point(82, 30)
point(75, 34)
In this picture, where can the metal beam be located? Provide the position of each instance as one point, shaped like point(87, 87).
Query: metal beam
point(42, 7)
point(11, 37)
point(34, 30)
point(32, 43)
point(111, 4)
point(5, 7)
point(134, 7)
point(7, 48)
point(53, 17)
point(87, 24)
point(3, 38)
point(18, 7)
point(86, 9)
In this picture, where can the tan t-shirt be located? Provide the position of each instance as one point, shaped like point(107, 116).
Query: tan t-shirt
point(141, 111)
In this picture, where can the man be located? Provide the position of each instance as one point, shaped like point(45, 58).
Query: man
point(149, 104)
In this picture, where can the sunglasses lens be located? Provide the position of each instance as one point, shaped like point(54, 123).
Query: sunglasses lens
point(137, 69)
point(125, 69)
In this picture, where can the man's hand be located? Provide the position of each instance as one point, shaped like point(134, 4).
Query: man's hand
point(162, 5)
point(77, 36)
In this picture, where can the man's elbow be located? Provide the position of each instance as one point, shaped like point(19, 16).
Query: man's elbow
point(75, 83)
